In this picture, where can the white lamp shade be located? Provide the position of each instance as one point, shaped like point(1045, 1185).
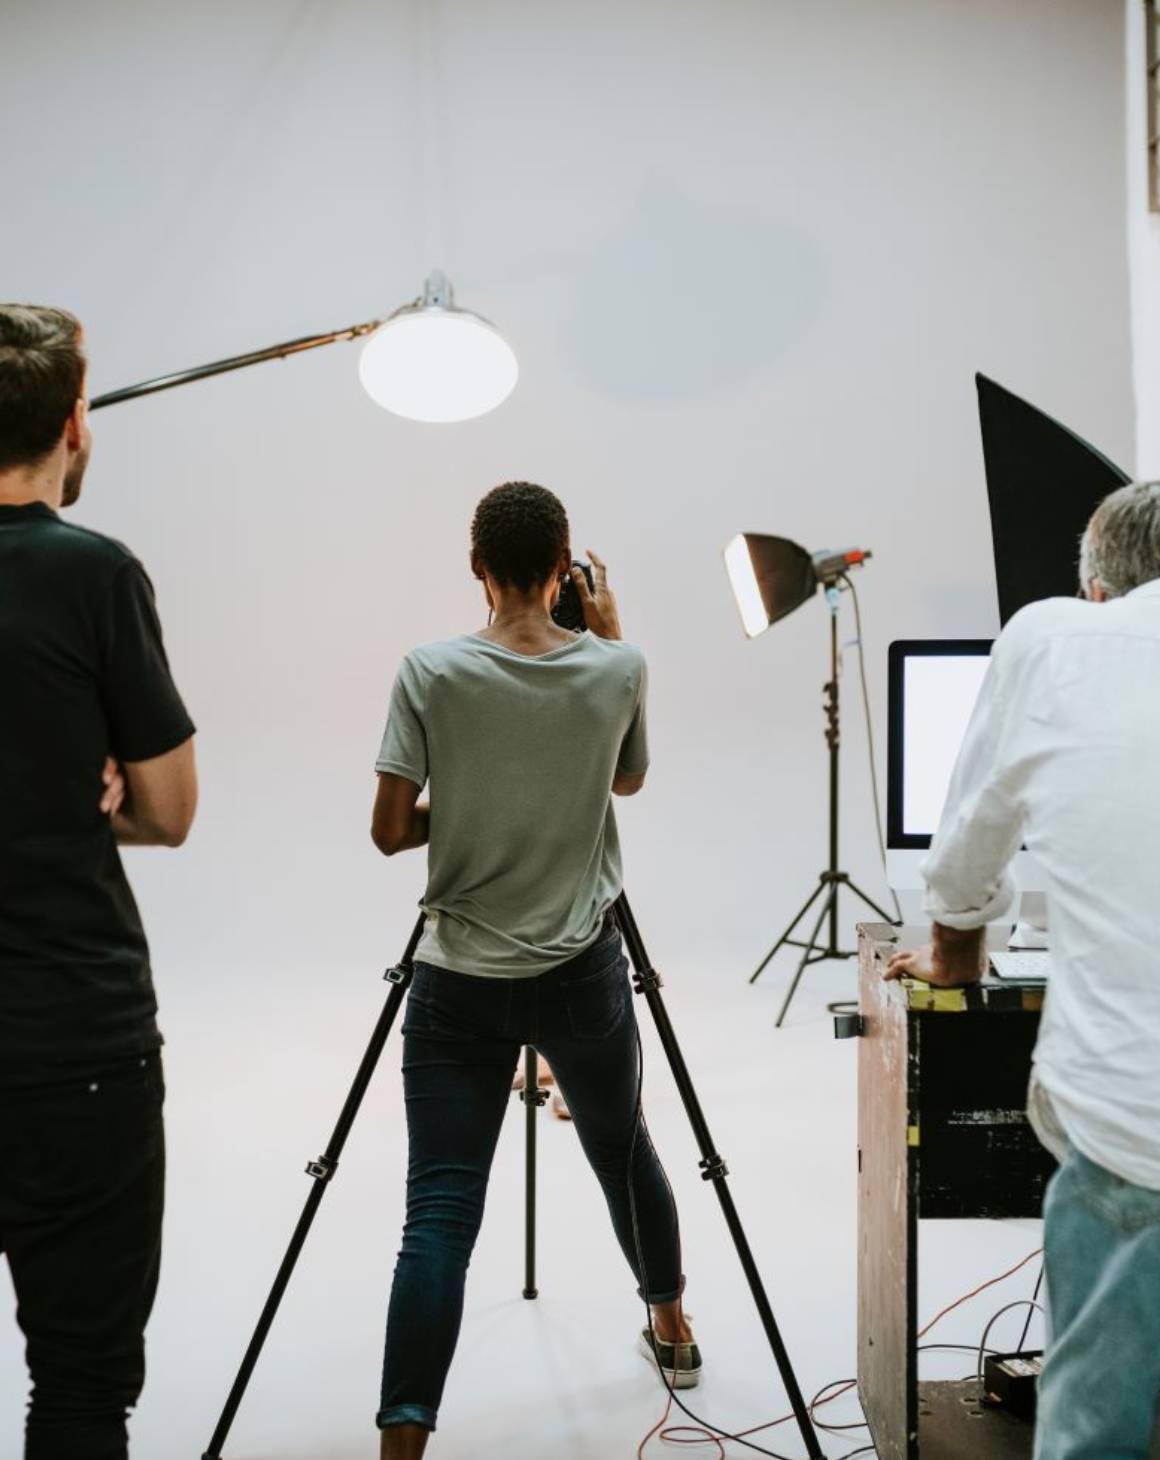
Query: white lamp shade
point(743, 581)
point(435, 364)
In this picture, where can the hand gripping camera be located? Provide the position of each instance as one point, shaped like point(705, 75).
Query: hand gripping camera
point(569, 611)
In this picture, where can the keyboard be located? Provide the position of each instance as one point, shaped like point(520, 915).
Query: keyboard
point(1022, 965)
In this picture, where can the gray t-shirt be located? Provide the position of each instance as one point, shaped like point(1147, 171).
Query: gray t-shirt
point(521, 751)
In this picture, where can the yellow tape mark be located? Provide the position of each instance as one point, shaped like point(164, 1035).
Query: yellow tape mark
point(912, 1135)
point(926, 996)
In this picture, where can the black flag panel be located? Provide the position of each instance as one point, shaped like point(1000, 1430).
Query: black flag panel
point(1043, 483)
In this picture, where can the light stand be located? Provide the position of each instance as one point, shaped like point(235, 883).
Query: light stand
point(533, 1096)
point(646, 981)
point(235, 362)
point(832, 880)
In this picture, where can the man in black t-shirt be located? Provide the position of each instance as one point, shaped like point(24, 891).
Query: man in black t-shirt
point(96, 749)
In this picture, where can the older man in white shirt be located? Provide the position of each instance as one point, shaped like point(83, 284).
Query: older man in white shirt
point(1063, 755)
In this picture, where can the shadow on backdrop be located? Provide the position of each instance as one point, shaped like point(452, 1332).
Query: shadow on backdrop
point(686, 300)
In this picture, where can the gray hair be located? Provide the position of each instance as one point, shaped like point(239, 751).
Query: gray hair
point(1121, 545)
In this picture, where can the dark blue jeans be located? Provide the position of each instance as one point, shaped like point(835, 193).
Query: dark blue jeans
point(461, 1042)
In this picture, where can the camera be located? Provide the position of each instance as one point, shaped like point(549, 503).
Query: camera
point(569, 611)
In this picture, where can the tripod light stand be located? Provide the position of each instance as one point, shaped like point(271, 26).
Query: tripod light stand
point(772, 576)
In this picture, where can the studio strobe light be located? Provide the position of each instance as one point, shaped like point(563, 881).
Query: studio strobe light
point(770, 577)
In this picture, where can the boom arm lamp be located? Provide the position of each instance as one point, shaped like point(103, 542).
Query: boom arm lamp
point(772, 576)
point(428, 361)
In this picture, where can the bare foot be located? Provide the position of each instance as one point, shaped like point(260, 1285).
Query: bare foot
point(560, 1107)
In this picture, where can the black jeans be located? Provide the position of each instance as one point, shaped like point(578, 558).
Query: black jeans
point(462, 1038)
point(82, 1182)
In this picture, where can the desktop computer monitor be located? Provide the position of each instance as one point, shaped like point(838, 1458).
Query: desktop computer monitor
point(933, 686)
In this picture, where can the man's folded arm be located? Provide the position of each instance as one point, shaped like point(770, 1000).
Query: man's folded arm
point(150, 732)
point(160, 799)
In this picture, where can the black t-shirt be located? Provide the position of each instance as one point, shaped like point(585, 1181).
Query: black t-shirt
point(83, 675)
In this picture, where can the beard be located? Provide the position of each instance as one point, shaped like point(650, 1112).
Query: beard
point(74, 476)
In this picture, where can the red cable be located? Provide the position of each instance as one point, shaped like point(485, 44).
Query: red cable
point(660, 1422)
point(974, 1293)
point(676, 1434)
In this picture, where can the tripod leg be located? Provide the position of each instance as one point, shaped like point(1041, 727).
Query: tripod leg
point(531, 1098)
point(813, 897)
point(827, 907)
point(322, 1171)
point(713, 1168)
point(869, 901)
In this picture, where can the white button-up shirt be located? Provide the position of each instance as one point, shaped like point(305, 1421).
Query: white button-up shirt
point(1063, 754)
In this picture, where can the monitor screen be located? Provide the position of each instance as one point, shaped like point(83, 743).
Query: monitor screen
point(933, 688)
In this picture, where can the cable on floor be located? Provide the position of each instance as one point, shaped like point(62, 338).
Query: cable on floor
point(1034, 1297)
point(974, 1293)
point(1032, 1307)
point(688, 1435)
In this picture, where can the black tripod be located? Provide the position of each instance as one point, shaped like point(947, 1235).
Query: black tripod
point(832, 880)
point(646, 981)
point(533, 1096)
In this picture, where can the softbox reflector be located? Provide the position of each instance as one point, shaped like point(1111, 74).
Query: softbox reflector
point(1043, 484)
point(771, 576)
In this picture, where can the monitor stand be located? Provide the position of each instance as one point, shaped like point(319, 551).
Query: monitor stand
point(1030, 931)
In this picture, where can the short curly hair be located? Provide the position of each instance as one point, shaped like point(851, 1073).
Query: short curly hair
point(519, 534)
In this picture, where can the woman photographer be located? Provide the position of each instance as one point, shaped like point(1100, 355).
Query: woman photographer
point(524, 731)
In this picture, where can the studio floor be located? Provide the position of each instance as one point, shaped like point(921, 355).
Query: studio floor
point(253, 1091)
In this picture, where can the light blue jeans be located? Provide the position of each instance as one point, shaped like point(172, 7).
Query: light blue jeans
point(1100, 1388)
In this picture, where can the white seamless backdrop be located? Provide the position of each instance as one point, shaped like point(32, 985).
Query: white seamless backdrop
point(749, 254)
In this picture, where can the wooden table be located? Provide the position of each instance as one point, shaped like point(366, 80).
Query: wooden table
point(942, 1132)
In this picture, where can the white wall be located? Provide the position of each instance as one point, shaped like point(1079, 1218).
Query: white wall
point(1144, 249)
point(750, 255)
